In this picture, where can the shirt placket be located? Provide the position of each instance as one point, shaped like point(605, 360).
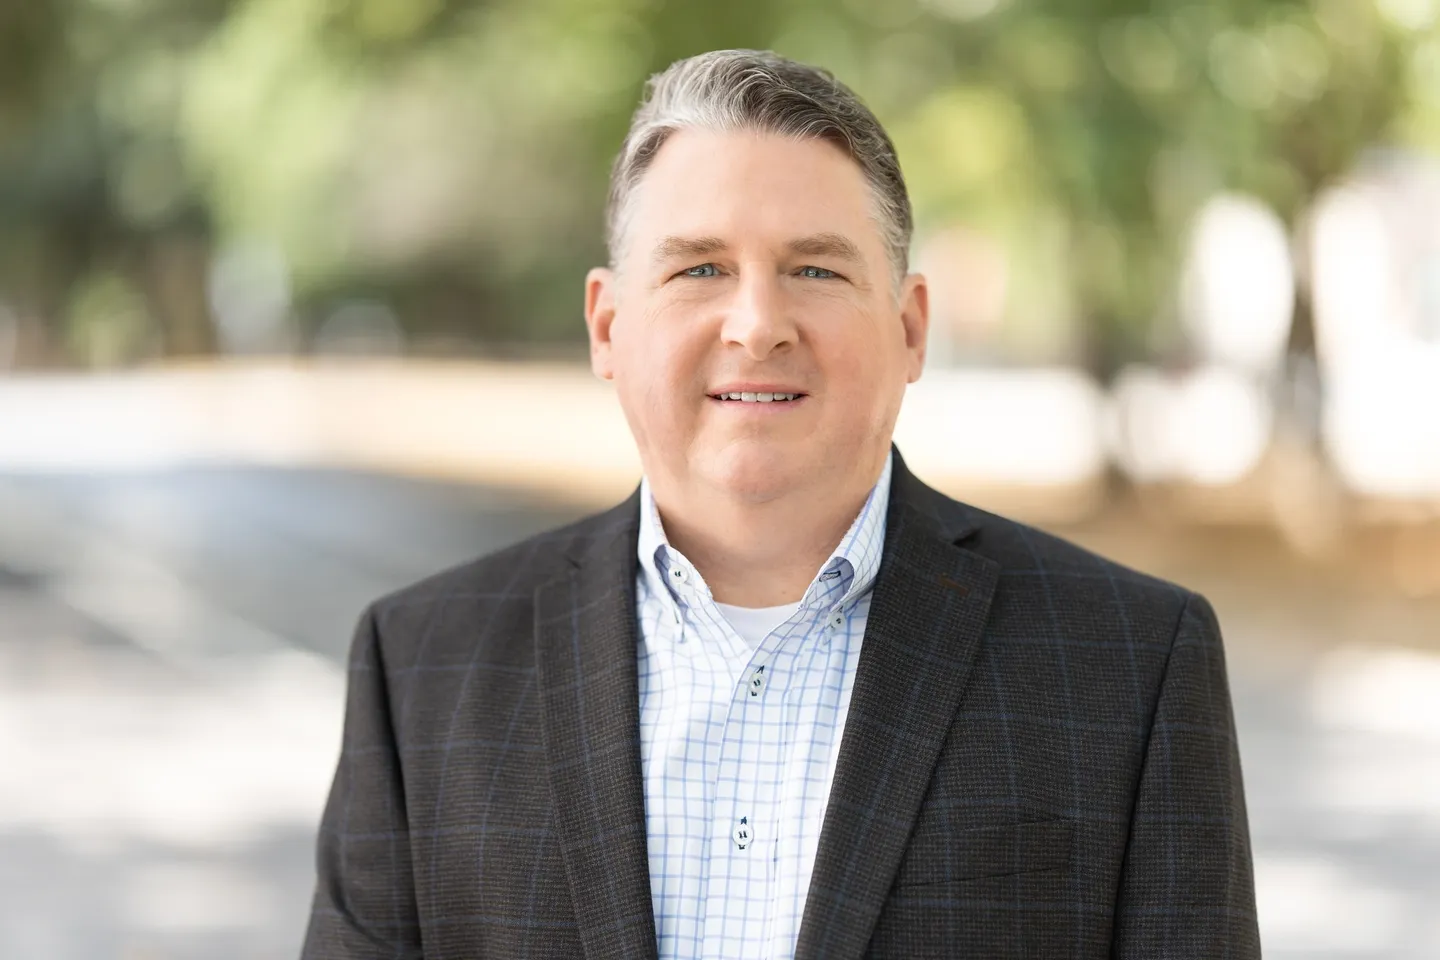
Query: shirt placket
point(731, 745)
point(746, 826)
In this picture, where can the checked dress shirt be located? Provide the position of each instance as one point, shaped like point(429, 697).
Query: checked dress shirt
point(739, 742)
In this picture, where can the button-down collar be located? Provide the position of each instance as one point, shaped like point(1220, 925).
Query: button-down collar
point(846, 574)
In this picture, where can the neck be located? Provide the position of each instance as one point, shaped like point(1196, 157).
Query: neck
point(761, 554)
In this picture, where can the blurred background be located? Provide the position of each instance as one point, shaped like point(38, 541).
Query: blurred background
point(290, 316)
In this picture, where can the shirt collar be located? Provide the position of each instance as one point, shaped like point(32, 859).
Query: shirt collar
point(852, 566)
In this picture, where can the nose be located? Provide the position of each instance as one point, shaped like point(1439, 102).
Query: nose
point(758, 320)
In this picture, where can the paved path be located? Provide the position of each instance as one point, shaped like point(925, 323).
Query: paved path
point(170, 697)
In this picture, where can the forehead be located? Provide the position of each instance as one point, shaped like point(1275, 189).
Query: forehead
point(747, 186)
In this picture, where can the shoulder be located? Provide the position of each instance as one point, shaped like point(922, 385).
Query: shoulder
point(1049, 580)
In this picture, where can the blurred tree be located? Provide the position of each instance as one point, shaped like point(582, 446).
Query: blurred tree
point(450, 156)
point(31, 36)
point(93, 189)
point(1124, 116)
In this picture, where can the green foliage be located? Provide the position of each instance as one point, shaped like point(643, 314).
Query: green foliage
point(451, 155)
point(107, 323)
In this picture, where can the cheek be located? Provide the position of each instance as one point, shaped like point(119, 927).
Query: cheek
point(859, 346)
point(865, 368)
point(659, 365)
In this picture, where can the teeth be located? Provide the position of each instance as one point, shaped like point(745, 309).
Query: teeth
point(747, 397)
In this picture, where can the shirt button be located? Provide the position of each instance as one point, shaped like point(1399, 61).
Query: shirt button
point(677, 573)
point(757, 681)
point(742, 833)
point(837, 620)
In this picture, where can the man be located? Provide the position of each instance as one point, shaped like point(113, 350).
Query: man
point(786, 700)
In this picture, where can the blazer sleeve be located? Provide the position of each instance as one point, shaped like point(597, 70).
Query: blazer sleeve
point(364, 904)
point(1187, 884)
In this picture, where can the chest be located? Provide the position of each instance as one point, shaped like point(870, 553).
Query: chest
point(738, 751)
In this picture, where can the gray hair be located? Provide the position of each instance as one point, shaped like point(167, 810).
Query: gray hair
point(756, 90)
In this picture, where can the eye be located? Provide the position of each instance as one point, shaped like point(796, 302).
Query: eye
point(700, 272)
point(817, 273)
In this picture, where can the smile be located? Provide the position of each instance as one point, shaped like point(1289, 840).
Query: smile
point(747, 397)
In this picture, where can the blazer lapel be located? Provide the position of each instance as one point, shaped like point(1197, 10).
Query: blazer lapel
point(586, 637)
point(927, 613)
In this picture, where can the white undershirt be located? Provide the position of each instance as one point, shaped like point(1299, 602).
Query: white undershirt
point(755, 623)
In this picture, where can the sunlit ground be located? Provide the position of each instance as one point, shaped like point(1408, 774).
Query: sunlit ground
point(171, 693)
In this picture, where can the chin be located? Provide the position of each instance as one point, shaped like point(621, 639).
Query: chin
point(759, 471)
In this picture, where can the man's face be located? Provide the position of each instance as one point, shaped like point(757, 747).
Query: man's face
point(751, 264)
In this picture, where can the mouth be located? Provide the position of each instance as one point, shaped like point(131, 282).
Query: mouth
point(757, 398)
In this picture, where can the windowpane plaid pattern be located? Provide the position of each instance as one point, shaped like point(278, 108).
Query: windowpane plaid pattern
point(1039, 760)
point(738, 744)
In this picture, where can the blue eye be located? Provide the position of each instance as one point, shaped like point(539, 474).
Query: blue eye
point(714, 272)
point(817, 273)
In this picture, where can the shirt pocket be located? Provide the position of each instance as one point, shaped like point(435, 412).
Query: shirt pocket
point(944, 856)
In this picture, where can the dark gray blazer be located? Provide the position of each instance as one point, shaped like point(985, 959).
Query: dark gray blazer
point(1039, 760)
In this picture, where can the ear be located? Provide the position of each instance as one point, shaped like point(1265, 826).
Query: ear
point(599, 316)
point(915, 318)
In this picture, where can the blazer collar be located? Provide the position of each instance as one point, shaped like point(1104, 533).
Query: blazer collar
point(927, 616)
point(930, 601)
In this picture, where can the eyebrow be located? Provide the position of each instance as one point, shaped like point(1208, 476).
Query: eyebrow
point(815, 245)
point(826, 245)
point(672, 248)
